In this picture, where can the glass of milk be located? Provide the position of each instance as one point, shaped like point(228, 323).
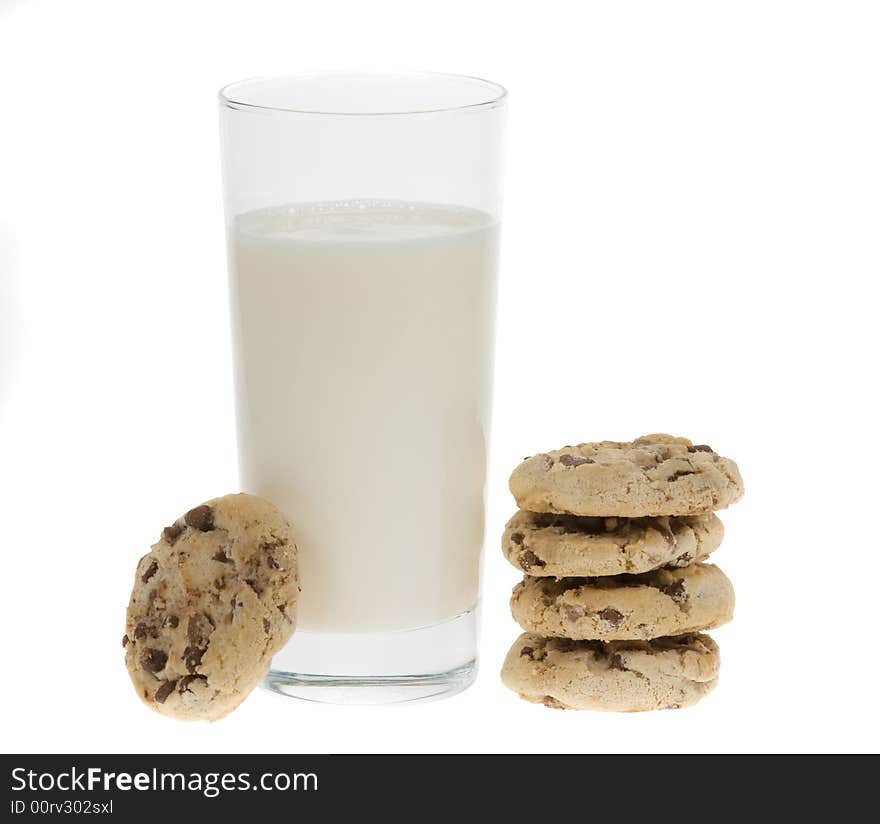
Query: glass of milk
point(363, 221)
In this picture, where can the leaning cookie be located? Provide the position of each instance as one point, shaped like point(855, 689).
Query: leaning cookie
point(625, 607)
point(544, 544)
point(621, 676)
point(212, 602)
point(653, 475)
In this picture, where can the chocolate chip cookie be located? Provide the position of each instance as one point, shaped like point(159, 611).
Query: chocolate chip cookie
point(625, 607)
point(652, 476)
point(212, 602)
point(545, 544)
point(621, 676)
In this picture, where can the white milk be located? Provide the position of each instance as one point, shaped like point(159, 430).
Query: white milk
point(364, 345)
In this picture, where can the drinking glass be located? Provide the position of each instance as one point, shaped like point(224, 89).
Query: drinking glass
point(362, 215)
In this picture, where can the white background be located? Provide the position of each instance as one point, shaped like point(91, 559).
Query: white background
point(690, 245)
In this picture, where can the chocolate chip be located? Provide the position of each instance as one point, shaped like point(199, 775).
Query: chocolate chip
point(140, 631)
point(266, 625)
point(528, 559)
point(153, 660)
point(164, 691)
point(200, 518)
point(680, 474)
point(574, 460)
point(700, 447)
point(530, 651)
point(172, 533)
point(171, 621)
point(151, 571)
point(273, 543)
point(192, 657)
point(615, 662)
point(221, 556)
point(254, 586)
point(124, 641)
point(517, 538)
point(612, 616)
point(183, 683)
point(156, 603)
point(684, 559)
point(199, 628)
point(271, 562)
point(573, 613)
point(547, 460)
point(674, 590)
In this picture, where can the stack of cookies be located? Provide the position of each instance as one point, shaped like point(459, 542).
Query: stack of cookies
point(612, 538)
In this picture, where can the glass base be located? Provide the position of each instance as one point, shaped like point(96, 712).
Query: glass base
point(378, 667)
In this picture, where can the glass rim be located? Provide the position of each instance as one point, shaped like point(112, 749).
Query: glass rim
point(496, 93)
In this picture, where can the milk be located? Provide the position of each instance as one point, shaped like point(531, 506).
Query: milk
point(364, 346)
